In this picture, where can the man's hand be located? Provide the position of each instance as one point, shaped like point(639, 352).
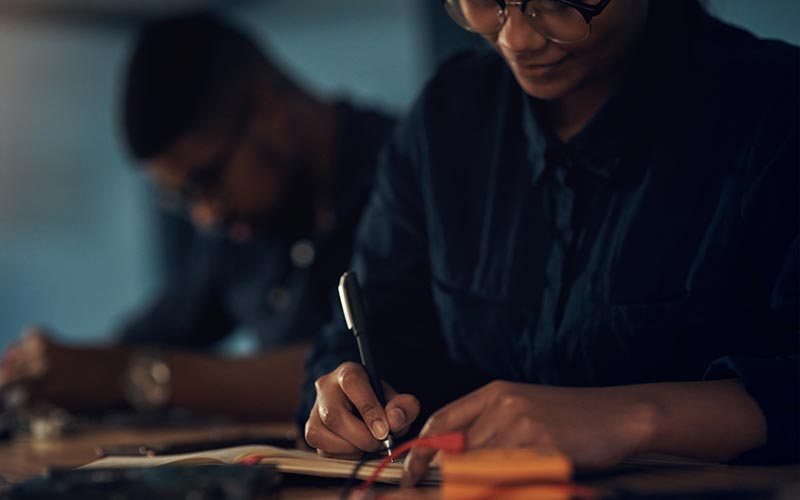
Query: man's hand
point(595, 427)
point(333, 428)
point(70, 377)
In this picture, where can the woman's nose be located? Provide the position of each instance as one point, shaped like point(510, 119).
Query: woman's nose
point(518, 35)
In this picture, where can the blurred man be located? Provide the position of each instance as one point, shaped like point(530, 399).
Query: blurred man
point(273, 180)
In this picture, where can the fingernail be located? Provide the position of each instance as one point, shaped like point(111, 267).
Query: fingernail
point(379, 429)
point(397, 418)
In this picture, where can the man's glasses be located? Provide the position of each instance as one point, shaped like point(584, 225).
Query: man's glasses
point(561, 21)
point(205, 182)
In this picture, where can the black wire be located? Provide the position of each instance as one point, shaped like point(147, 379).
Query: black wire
point(353, 479)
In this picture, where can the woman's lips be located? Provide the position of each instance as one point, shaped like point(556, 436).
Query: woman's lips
point(537, 69)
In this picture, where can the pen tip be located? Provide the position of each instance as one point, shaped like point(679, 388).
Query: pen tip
point(388, 444)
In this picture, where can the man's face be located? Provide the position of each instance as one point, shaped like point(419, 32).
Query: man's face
point(242, 174)
point(548, 70)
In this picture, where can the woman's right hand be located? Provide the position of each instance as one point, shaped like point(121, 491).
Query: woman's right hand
point(334, 427)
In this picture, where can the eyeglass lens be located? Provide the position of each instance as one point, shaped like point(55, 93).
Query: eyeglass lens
point(554, 20)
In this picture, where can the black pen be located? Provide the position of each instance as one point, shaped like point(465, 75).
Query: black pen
point(356, 318)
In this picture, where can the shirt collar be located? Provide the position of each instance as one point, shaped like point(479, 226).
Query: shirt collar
point(601, 145)
point(537, 140)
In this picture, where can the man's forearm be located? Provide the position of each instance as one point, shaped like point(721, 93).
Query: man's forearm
point(262, 386)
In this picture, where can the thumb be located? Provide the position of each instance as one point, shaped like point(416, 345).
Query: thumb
point(401, 411)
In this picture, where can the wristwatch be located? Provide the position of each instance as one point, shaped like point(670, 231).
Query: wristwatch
point(148, 382)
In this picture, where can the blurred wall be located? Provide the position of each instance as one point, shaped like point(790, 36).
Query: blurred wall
point(373, 51)
point(73, 235)
point(75, 224)
point(768, 19)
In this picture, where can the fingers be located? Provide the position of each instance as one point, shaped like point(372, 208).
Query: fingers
point(332, 427)
point(23, 360)
point(335, 415)
point(9, 358)
point(354, 383)
point(499, 428)
point(456, 416)
point(27, 360)
point(401, 411)
point(34, 332)
point(325, 441)
point(461, 413)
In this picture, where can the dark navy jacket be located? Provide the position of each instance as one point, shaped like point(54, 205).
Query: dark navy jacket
point(660, 244)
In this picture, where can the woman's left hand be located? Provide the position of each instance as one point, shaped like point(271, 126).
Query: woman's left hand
point(594, 427)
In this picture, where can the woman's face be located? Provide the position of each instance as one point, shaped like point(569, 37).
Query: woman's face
point(548, 70)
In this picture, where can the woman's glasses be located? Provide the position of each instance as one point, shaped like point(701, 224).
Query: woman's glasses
point(562, 21)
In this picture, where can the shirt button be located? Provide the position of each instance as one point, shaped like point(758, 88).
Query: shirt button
point(302, 253)
point(279, 298)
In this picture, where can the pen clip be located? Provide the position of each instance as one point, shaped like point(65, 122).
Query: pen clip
point(352, 305)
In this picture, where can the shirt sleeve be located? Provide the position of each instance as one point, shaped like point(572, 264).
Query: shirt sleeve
point(188, 312)
point(771, 214)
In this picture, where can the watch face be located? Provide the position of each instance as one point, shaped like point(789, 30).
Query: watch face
point(149, 382)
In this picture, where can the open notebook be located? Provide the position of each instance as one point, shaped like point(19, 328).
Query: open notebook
point(289, 461)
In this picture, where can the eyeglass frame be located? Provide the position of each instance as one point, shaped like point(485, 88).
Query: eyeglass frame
point(586, 10)
point(205, 182)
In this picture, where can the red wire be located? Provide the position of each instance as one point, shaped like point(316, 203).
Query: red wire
point(252, 459)
point(454, 442)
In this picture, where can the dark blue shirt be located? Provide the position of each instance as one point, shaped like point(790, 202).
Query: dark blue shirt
point(660, 244)
point(274, 287)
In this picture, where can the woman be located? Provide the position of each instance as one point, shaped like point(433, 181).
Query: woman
point(588, 239)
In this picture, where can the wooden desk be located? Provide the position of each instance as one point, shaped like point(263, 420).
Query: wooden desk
point(23, 459)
